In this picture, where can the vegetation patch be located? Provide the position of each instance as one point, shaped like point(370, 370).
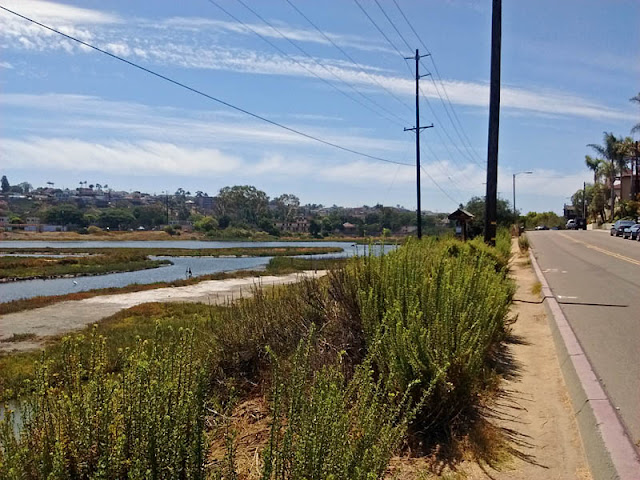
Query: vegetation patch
point(402, 349)
point(22, 268)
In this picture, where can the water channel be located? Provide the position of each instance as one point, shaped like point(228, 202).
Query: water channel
point(199, 265)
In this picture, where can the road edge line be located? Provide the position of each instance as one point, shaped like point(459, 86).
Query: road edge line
point(610, 452)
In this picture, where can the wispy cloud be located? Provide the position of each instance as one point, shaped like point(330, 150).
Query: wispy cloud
point(164, 43)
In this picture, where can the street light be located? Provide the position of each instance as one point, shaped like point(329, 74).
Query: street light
point(514, 190)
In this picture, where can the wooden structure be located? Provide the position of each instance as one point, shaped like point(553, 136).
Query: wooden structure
point(462, 217)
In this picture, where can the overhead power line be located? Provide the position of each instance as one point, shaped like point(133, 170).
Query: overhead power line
point(377, 27)
point(347, 56)
point(206, 95)
point(437, 72)
point(293, 59)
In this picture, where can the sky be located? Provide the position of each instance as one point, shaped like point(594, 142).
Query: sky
point(331, 70)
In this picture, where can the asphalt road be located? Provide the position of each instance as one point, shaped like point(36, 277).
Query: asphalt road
point(596, 279)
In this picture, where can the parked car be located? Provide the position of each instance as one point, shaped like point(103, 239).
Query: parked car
point(542, 227)
point(571, 224)
point(632, 232)
point(618, 228)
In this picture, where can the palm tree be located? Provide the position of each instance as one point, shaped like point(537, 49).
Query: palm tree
point(611, 152)
point(594, 164)
point(636, 99)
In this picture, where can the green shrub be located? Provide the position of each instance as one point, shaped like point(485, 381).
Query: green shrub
point(93, 230)
point(325, 427)
point(523, 243)
point(433, 313)
point(145, 422)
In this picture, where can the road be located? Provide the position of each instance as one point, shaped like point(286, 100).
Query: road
point(596, 279)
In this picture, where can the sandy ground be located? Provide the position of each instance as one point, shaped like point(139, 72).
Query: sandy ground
point(67, 316)
point(537, 407)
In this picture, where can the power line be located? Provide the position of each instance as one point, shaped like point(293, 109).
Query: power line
point(349, 57)
point(206, 95)
point(213, 2)
point(439, 187)
point(373, 22)
point(435, 116)
point(466, 155)
point(439, 78)
point(394, 26)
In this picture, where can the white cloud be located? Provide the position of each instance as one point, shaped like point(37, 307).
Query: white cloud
point(59, 13)
point(6, 65)
point(133, 158)
point(196, 24)
point(159, 43)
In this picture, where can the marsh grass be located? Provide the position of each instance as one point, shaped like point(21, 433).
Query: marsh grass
point(15, 268)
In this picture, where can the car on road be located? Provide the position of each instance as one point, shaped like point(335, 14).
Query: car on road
point(632, 232)
point(576, 224)
point(542, 227)
point(618, 228)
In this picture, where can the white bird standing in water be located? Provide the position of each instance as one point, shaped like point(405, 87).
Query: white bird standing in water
point(75, 283)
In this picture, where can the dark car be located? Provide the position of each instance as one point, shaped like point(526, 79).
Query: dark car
point(618, 228)
point(632, 232)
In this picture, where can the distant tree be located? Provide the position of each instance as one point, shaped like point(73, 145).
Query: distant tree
point(6, 186)
point(206, 224)
point(242, 204)
point(116, 218)
point(65, 214)
point(150, 215)
point(476, 207)
point(287, 206)
point(613, 152)
point(314, 227)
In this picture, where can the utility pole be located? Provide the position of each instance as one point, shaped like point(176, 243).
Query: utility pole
point(634, 174)
point(417, 129)
point(491, 202)
point(584, 201)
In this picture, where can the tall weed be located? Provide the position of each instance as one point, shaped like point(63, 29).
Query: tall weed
point(82, 422)
point(325, 427)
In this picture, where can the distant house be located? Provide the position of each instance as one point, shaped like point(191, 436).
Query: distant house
point(408, 229)
point(300, 225)
point(349, 228)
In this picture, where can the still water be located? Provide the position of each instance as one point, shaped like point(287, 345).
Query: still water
point(198, 265)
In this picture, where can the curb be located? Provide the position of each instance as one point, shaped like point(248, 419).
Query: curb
point(609, 451)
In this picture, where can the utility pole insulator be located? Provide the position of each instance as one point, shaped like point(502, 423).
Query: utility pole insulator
point(418, 129)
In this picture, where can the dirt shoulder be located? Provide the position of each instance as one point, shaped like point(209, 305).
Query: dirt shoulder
point(68, 316)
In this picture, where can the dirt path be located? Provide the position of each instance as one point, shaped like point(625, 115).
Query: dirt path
point(73, 315)
point(537, 408)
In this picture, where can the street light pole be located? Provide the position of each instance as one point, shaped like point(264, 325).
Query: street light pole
point(514, 191)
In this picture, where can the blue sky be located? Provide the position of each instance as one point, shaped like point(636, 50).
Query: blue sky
point(68, 114)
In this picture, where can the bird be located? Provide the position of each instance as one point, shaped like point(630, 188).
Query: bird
point(75, 283)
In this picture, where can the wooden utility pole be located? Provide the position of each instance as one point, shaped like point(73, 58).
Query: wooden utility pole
point(491, 201)
point(417, 129)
